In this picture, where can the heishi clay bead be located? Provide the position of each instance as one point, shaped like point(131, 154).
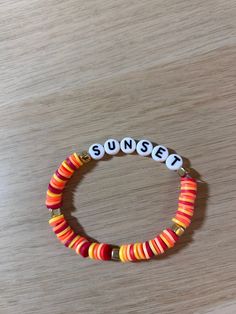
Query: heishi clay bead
point(144, 148)
point(160, 153)
point(127, 252)
point(112, 146)
point(128, 145)
point(96, 151)
point(106, 252)
point(174, 162)
point(84, 249)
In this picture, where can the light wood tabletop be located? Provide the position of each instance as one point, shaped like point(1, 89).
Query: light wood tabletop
point(74, 73)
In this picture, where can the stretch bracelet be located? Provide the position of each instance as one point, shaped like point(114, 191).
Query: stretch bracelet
point(127, 252)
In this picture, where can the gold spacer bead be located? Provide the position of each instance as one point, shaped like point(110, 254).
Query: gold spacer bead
point(85, 157)
point(178, 229)
point(115, 254)
point(182, 172)
point(55, 212)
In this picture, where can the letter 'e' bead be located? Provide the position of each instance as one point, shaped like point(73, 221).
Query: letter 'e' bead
point(174, 162)
point(96, 151)
point(160, 153)
point(128, 145)
point(112, 146)
point(144, 148)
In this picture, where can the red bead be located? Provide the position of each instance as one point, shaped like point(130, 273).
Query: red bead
point(183, 214)
point(61, 228)
point(54, 190)
point(186, 203)
point(56, 206)
point(133, 257)
point(188, 191)
point(106, 252)
point(84, 249)
point(60, 176)
point(174, 235)
point(188, 179)
point(64, 169)
point(69, 163)
point(164, 246)
point(67, 243)
point(149, 250)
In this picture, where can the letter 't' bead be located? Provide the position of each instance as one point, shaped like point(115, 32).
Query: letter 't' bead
point(174, 162)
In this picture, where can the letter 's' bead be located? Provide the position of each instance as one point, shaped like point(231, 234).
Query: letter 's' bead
point(144, 148)
point(112, 146)
point(128, 145)
point(160, 153)
point(96, 151)
point(174, 162)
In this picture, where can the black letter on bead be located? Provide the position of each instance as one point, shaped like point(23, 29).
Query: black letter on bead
point(113, 146)
point(96, 150)
point(145, 147)
point(176, 158)
point(129, 144)
point(160, 151)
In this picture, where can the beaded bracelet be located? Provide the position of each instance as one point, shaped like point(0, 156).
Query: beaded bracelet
point(126, 252)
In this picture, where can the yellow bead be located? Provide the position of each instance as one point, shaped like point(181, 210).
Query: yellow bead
point(121, 256)
point(180, 223)
point(136, 251)
point(178, 229)
point(78, 159)
point(91, 250)
point(166, 241)
point(73, 241)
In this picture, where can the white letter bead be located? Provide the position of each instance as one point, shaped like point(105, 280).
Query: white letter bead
point(112, 146)
point(174, 162)
point(128, 145)
point(160, 153)
point(144, 148)
point(96, 151)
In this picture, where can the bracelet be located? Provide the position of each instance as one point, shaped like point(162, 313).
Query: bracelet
point(126, 252)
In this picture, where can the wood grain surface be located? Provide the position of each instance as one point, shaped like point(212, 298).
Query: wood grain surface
point(78, 72)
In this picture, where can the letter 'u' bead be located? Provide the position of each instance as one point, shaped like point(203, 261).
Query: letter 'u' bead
point(128, 145)
point(160, 153)
point(144, 148)
point(112, 146)
point(96, 151)
point(174, 162)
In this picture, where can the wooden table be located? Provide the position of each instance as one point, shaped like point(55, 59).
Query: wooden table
point(78, 72)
